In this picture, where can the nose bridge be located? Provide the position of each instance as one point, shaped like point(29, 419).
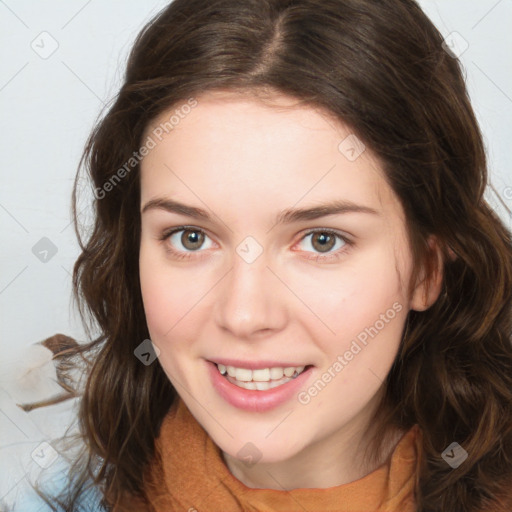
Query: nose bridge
point(249, 301)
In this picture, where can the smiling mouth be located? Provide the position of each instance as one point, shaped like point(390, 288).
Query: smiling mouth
point(261, 379)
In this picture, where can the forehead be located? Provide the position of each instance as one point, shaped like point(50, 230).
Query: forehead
point(277, 149)
point(262, 110)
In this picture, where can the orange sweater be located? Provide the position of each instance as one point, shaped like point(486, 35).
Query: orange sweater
point(188, 474)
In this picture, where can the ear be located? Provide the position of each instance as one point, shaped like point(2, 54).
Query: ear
point(428, 288)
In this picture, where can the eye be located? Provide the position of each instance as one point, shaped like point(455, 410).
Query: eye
point(185, 240)
point(325, 242)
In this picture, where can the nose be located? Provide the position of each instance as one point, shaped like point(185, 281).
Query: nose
point(251, 301)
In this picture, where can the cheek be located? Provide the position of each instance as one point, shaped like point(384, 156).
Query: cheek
point(162, 308)
point(172, 299)
point(156, 307)
point(354, 296)
point(364, 309)
point(159, 292)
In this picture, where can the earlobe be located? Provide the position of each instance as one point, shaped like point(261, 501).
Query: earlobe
point(428, 288)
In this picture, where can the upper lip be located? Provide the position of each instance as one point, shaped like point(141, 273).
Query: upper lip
point(255, 365)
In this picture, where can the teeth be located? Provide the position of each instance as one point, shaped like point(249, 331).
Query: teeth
point(261, 376)
point(260, 386)
point(250, 385)
point(243, 374)
point(276, 373)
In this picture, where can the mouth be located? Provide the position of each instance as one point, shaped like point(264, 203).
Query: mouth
point(260, 379)
point(260, 388)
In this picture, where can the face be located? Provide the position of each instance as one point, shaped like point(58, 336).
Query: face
point(258, 284)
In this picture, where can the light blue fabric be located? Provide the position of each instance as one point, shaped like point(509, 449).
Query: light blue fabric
point(55, 481)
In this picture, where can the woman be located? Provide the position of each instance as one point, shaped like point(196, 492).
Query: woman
point(304, 300)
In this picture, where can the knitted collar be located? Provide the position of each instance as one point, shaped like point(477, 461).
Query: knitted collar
point(189, 474)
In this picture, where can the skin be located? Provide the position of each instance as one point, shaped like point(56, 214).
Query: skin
point(244, 161)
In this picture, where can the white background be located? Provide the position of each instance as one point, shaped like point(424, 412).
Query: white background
point(48, 107)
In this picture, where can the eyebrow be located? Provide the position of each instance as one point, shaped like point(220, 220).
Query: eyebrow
point(287, 216)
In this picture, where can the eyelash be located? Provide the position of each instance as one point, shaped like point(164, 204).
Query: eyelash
point(180, 255)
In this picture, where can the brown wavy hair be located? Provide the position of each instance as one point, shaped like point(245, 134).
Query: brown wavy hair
point(378, 66)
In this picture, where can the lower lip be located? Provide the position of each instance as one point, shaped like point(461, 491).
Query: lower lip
point(253, 400)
